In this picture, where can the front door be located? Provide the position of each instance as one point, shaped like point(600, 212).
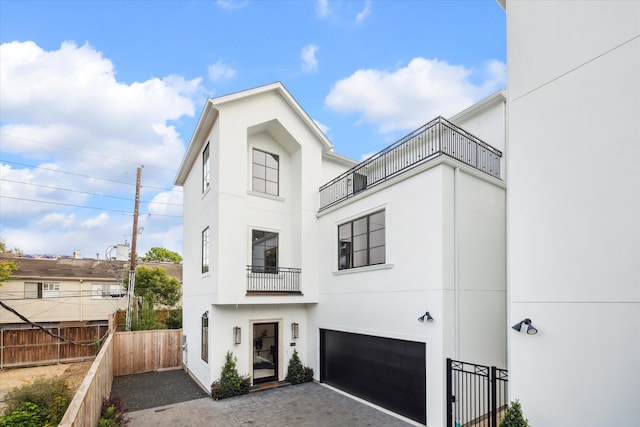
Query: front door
point(265, 352)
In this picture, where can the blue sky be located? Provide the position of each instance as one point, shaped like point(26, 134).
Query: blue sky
point(89, 90)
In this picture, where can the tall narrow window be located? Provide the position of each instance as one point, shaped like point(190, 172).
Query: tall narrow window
point(265, 172)
point(206, 169)
point(264, 252)
point(204, 349)
point(205, 250)
point(362, 241)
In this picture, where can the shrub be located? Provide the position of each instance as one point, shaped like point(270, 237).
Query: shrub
point(44, 401)
point(26, 414)
point(112, 413)
point(174, 319)
point(296, 372)
point(308, 374)
point(513, 416)
point(230, 383)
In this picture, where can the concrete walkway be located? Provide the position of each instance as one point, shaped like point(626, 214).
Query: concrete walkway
point(308, 404)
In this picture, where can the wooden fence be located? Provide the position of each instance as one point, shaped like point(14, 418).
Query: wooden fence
point(86, 406)
point(29, 347)
point(123, 353)
point(147, 351)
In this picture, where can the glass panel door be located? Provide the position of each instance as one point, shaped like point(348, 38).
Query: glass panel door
point(265, 352)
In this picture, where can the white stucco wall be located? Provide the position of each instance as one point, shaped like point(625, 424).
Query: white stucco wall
point(574, 209)
point(445, 254)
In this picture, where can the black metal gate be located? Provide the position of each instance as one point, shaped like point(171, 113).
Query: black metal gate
point(476, 394)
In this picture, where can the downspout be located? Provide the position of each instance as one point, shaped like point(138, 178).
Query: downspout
point(456, 275)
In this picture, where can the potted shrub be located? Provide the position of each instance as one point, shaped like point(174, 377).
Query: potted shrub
point(513, 416)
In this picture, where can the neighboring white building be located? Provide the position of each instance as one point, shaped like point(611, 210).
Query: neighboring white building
point(282, 237)
point(574, 210)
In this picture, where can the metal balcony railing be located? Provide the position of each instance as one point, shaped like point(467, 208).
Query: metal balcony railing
point(261, 279)
point(436, 138)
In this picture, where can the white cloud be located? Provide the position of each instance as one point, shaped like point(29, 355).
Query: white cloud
point(365, 156)
point(232, 4)
point(362, 15)
point(97, 221)
point(72, 136)
point(322, 8)
point(221, 71)
point(309, 60)
point(408, 97)
point(324, 128)
point(57, 220)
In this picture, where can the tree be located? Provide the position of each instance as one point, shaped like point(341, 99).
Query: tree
point(162, 255)
point(156, 283)
point(6, 266)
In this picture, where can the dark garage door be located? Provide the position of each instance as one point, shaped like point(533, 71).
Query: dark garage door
point(385, 371)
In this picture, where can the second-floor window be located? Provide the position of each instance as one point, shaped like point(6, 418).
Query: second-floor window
point(35, 290)
point(264, 252)
point(206, 169)
point(105, 291)
point(265, 172)
point(205, 250)
point(362, 241)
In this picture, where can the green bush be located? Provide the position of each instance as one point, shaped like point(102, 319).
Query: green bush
point(174, 319)
point(230, 383)
point(26, 414)
point(112, 414)
point(296, 372)
point(513, 416)
point(44, 402)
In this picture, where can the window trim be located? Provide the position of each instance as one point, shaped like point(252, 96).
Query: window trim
point(265, 180)
point(206, 241)
point(349, 257)
point(206, 168)
point(204, 337)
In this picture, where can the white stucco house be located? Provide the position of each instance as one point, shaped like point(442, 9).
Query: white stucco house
point(574, 210)
point(374, 272)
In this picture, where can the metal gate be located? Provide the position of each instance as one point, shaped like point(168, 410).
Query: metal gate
point(476, 394)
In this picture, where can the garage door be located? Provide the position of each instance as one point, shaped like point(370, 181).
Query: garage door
point(384, 371)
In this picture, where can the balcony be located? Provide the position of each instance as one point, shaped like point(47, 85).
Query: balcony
point(263, 280)
point(437, 138)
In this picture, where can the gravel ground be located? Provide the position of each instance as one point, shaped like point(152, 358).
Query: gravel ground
point(154, 389)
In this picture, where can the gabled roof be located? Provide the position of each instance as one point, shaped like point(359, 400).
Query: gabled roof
point(72, 268)
point(210, 113)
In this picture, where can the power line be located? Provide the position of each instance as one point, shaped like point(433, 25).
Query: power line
point(6, 307)
point(84, 152)
point(88, 176)
point(85, 207)
point(86, 192)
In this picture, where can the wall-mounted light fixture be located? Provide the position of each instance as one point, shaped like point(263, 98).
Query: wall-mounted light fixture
point(426, 316)
point(531, 330)
point(295, 330)
point(237, 335)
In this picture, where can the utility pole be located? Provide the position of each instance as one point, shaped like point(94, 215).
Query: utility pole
point(134, 239)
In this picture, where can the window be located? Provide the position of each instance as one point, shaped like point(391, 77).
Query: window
point(205, 250)
point(206, 169)
point(36, 290)
point(362, 241)
point(204, 349)
point(105, 291)
point(264, 252)
point(265, 172)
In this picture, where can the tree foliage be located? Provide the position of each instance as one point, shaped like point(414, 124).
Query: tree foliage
point(158, 254)
point(156, 283)
point(6, 266)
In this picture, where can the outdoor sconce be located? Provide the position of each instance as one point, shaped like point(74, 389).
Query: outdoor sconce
point(237, 335)
point(295, 330)
point(531, 330)
point(425, 316)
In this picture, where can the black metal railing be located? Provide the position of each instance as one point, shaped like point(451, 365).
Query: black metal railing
point(273, 279)
point(477, 395)
point(436, 138)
